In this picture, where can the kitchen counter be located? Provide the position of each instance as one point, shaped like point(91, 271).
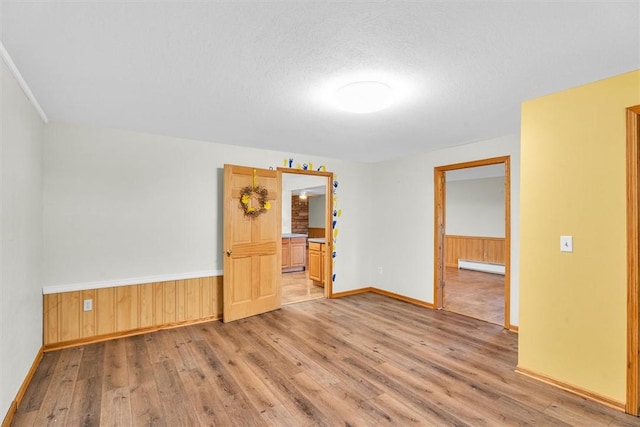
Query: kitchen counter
point(316, 240)
point(292, 235)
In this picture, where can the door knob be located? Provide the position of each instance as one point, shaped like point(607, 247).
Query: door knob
point(229, 252)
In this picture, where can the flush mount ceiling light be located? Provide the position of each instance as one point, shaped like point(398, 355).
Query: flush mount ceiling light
point(364, 97)
point(365, 91)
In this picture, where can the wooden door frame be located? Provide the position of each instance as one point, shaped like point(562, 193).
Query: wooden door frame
point(439, 229)
point(328, 229)
point(633, 263)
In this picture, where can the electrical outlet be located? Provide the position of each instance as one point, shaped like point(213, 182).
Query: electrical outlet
point(88, 305)
point(379, 270)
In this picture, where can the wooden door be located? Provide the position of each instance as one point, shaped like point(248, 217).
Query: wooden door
point(252, 242)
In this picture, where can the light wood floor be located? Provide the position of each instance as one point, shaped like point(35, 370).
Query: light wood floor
point(475, 294)
point(297, 287)
point(362, 360)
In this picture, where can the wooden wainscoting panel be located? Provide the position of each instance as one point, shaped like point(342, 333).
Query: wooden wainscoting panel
point(169, 301)
point(105, 307)
point(180, 300)
point(127, 308)
point(70, 320)
point(50, 318)
point(453, 248)
point(123, 309)
point(474, 248)
point(217, 288)
point(207, 297)
point(193, 308)
point(145, 305)
point(211, 296)
point(158, 303)
point(494, 250)
point(315, 232)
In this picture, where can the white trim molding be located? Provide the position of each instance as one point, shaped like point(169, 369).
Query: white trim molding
point(56, 289)
point(21, 81)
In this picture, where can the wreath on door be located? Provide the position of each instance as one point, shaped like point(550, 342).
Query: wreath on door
point(257, 193)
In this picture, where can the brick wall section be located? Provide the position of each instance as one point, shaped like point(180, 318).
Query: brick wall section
point(299, 215)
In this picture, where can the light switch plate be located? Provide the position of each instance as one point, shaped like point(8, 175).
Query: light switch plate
point(566, 243)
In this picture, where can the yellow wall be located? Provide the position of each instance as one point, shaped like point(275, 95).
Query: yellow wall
point(573, 305)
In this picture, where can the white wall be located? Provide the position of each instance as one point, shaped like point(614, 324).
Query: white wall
point(120, 205)
point(21, 137)
point(475, 207)
point(286, 209)
point(403, 209)
point(317, 212)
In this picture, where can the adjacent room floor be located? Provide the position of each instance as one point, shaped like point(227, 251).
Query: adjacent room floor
point(297, 287)
point(475, 294)
point(361, 360)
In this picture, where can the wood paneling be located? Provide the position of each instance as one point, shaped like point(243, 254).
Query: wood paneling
point(129, 308)
point(316, 232)
point(105, 307)
point(146, 305)
point(473, 248)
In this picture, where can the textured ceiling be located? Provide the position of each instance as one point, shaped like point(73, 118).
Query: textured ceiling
point(251, 73)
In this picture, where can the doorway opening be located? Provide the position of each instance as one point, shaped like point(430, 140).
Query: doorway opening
point(472, 251)
point(306, 235)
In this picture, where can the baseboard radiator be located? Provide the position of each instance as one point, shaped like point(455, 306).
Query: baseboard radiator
point(487, 267)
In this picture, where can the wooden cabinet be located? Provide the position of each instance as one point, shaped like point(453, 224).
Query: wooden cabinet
point(294, 251)
point(316, 262)
point(286, 253)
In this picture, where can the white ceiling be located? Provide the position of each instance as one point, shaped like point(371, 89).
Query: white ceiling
point(249, 73)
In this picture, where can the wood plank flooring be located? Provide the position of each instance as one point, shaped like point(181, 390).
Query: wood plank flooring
point(297, 287)
point(362, 360)
point(475, 294)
